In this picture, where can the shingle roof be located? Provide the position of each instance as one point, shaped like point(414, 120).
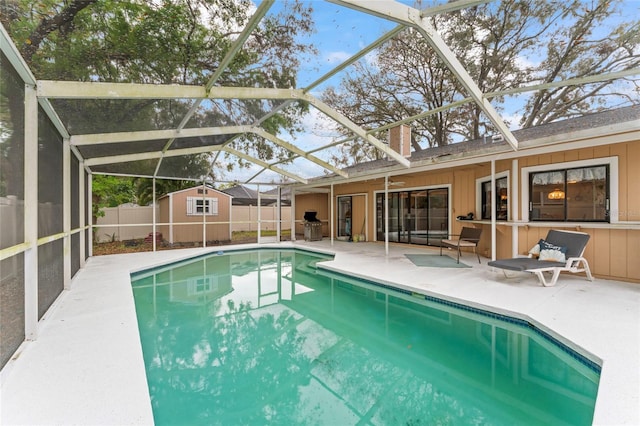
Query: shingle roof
point(590, 121)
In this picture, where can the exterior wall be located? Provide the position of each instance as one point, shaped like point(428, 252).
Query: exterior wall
point(188, 228)
point(612, 249)
point(312, 202)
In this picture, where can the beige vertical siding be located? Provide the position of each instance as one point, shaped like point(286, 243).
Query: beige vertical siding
point(315, 202)
point(612, 252)
point(189, 233)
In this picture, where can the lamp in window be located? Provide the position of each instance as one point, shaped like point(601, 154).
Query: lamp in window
point(556, 194)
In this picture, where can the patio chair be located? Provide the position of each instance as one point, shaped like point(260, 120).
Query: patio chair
point(571, 243)
point(468, 238)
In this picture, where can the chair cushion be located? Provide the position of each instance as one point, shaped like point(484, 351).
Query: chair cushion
point(456, 243)
point(523, 264)
point(551, 252)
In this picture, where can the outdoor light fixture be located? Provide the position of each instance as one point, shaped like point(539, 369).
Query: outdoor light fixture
point(556, 194)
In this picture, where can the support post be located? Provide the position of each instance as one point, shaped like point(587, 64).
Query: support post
point(82, 213)
point(279, 213)
point(493, 209)
point(66, 212)
point(293, 214)
point(153, 213)
point(31, 213)
point(386, 215)
point(259, 214)
point(90, 215)
point(514, 199)
point(204, 213)
point(331, 215)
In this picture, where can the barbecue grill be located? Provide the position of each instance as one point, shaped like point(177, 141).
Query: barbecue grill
point(312, 227)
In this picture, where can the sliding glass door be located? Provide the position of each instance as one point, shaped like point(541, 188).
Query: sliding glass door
point(417, 216)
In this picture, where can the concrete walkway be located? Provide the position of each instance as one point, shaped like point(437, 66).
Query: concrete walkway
point(86, 366)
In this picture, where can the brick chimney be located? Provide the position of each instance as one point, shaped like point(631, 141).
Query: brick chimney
point(400, 140)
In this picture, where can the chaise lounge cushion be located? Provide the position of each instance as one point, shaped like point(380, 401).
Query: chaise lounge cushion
point(523, 263)
point(570, 245)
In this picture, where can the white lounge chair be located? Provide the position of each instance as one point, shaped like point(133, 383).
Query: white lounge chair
point(574, 242)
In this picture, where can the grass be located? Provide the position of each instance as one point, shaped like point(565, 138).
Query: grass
point(139, 245)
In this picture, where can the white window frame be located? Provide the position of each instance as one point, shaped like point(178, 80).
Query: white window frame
point(612, 162)
point(481, 180)
point(210, 206)
point(202, 285)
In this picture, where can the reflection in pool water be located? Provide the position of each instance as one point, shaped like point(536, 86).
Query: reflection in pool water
point(266, 337)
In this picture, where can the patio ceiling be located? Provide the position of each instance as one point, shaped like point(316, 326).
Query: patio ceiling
point(152, 152)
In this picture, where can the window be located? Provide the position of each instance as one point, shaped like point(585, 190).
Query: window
point(202, 285)
point(198, 205)
point(502, 199)
point(571, 194)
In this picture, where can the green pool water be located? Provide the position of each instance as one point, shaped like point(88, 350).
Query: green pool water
point(266, 337)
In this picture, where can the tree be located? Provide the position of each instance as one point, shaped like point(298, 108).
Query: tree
point(144, 188)
point(503, 45)
point(586, 46)
point(110, 191)
point(181, 41)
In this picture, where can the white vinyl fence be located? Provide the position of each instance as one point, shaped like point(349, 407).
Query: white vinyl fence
point(134, 222)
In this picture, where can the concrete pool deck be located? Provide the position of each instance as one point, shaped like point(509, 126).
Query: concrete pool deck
point(86, 366)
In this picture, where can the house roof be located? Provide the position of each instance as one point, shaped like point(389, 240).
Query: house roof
point(557, 133)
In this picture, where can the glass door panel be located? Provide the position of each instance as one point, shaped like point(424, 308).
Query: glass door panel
point(345, 225)
point(438, 216)
point(418, 217)
point(404, 212)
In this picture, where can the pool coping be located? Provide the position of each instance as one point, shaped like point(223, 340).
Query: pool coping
point(95, 321)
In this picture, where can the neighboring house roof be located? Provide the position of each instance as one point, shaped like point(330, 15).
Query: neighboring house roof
point(240, 191)
point(243, 196)
point(285, 193)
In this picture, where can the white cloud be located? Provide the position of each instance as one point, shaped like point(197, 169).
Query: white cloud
point(336, 57)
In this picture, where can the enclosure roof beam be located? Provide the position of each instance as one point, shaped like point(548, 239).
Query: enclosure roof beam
point(118, 137)
point(15, 59)
point(359, 131)
point(413, 17)
point(292, 148)
point(262, 10)
point(397, 12)
point(570, 82)
point(228, 57)
point(265, 165)
point(124, 158)
point(99, 90)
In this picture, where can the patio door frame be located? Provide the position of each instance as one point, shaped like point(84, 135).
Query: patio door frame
point(359, 219)
point(403, 220)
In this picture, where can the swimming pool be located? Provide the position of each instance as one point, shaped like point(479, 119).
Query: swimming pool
point(265, 336)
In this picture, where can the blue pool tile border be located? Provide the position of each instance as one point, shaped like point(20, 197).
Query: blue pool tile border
point(592, 365)
point(142, 271)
